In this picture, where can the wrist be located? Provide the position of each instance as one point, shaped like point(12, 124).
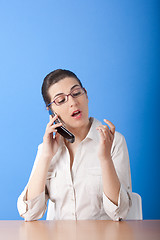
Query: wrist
point(46, 158)
point(104, 159)
point(106, 162)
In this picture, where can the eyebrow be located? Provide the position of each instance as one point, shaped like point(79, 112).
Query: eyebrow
point(58, 94)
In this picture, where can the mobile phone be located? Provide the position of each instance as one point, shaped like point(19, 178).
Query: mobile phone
point(62, 130)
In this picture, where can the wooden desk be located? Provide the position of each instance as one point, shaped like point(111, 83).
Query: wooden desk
point(80, 230)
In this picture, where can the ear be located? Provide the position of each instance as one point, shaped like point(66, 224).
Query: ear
point(86, 92)
point(49, 111)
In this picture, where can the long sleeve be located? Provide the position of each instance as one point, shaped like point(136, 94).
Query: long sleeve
point(78, 195)
point(121, 162)
point(32, 209)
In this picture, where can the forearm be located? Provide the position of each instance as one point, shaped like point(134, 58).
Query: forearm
point(37, 182)
point(111, 183)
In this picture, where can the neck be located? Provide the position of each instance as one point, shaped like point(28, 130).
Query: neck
point(80, 133)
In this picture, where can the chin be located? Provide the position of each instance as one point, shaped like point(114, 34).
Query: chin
point(77, 123)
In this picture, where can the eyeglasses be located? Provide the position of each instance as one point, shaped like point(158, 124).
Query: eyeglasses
point(77, 92)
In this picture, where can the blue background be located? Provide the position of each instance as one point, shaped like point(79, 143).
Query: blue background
point(113, 47)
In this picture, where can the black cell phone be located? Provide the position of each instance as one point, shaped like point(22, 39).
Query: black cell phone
point(62, 130)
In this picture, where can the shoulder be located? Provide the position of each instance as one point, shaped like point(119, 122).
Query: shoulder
point(119, 143)
point(119, 139)
point(40, 147)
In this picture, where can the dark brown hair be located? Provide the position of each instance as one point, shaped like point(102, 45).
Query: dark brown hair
point(54, 77)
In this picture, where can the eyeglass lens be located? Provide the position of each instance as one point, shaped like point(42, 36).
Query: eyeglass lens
point(63, 98)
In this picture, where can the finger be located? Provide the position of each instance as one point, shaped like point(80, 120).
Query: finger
point(52, 120)
point(106, 132)
point(57, 137)
point(102, 136)
point(56, 125)
point(52, 128)
point(111, 125)
point(51, 131)
point(104, 128)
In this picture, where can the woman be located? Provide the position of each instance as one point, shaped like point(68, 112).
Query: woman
point(87, 179)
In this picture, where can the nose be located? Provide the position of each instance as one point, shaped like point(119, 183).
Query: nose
point(72, 101)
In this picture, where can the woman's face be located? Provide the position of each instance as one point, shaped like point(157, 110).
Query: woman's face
point(74, 112)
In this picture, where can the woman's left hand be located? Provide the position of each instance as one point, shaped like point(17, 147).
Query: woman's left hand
point(106, 140)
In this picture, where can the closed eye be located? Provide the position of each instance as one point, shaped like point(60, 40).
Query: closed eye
point(76, 92)
point(60, 99)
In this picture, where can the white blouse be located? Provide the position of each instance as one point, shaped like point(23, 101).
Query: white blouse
point(77, 194)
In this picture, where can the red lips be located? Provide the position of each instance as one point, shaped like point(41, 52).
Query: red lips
point(76, 113)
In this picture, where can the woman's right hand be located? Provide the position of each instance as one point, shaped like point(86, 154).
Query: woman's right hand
point(50, 143)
